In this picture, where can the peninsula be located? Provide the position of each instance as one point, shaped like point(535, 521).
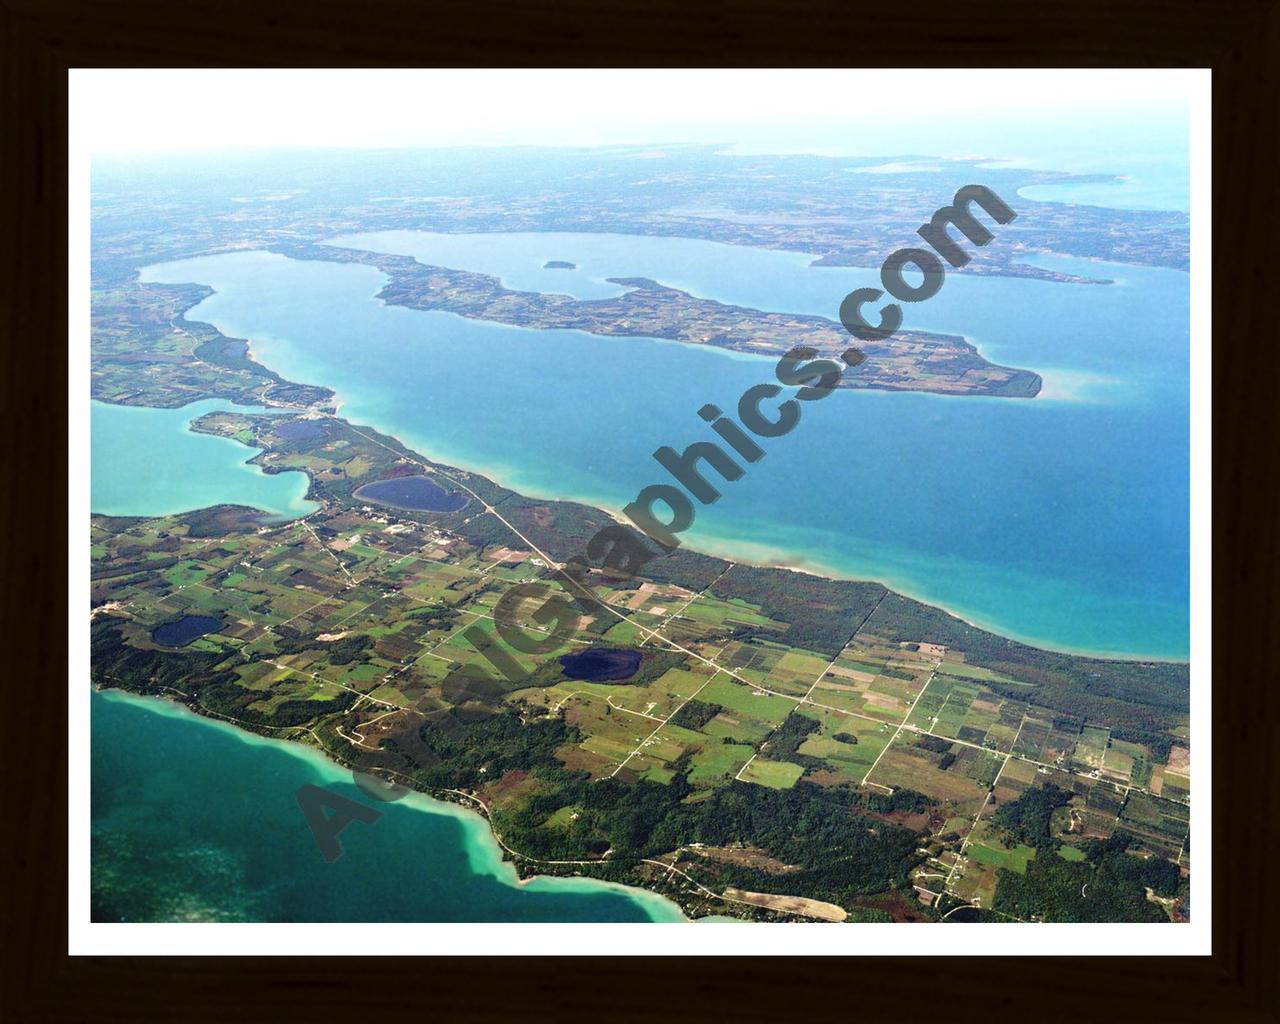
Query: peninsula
point(744, 740)
point(747, 740)
point(907, 361)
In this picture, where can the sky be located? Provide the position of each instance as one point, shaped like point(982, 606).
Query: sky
point(1006, 114)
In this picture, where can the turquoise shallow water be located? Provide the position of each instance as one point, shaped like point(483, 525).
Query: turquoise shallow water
point(147, 462)
point(1062, 520)
point(193, 820)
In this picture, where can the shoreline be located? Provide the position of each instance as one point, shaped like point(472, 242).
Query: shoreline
point(718, 547)
point(290, 510)
point(500, 476)
point(476, 823)
point(785, 561)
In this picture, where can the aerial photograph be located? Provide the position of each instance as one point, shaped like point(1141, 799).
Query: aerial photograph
point(591, 497)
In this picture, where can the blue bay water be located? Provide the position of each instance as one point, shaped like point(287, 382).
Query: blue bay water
point(193, 820)
point(148, 462)
point(1061, 520)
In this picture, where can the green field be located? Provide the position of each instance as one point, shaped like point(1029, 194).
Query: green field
point(1012, 860)
point(774, 774)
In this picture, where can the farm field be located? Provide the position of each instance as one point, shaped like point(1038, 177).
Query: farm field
point(375, 634)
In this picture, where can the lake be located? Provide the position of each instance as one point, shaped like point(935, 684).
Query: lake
point(184, 630)
point(1061, 520)
point(601, 664)
point(415, 493)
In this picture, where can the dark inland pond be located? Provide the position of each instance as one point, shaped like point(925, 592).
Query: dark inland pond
point(414, 493)
point(601, 664)
point(186, 629)
point(300, 430)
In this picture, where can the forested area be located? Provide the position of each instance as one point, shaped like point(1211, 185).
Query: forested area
point(112, 662)
point(821, 614)
point(839, 852)
point(695, 714)
point(1026, 819)
point(189, 672)
point(1108, 885)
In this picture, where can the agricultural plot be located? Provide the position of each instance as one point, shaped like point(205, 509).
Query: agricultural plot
point(980, 765)
point(654, 753)
point(410, 685)
point(715, 762)
point(740, 698)
point(624, 633)
point(967, 711)
point(292, 686)
point(1064, 733)
point(648, 605)
point(523, 570)
point(870, 680)
point(953, 664)
point(632, 727)
point(793, 673)
point(1002, 733)
point(609, 737)
point(187, 572)
point(774, 774)
point(1101, 807)
point(1093, 808)
point(709, 617)
point(1176, 787)
point(940, 770)
point(984, 856)
point(731, 721)
point(1176, 777)
point(846, 745)
point(656, 700)
point(1160, 825)
point(737, 727)
point(1117, 765)
point(752, 661)
point(436, 583)
point(1090, 748)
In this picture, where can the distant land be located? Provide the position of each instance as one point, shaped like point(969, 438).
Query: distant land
point(847, 212)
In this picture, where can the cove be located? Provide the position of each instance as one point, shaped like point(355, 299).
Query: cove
point(1062, 521)
point(148, 462)
point(193, 820)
